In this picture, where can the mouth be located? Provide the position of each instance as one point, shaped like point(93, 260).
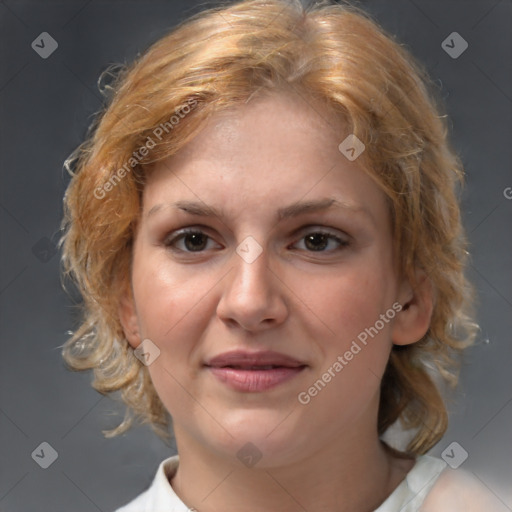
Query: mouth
point(254, 372)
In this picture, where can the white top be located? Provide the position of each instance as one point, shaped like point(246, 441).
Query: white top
point(410, 496)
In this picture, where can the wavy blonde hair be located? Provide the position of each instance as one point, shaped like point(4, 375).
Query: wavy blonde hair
point(218, 59)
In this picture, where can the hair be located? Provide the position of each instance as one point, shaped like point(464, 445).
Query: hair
point(218, 59)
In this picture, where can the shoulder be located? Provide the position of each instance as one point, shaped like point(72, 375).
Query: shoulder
point(139, 504)
point(159, 495)
point(457, 490)
point(432, 486)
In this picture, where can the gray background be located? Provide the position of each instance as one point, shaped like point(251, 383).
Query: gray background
point(46, 105)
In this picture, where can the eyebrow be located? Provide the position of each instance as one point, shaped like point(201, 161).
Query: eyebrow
point(293, 210)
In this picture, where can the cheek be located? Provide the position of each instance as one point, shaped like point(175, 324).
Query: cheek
point(164, 294)
point(171, 314)
point(350, 303)
point(174, 309)
point(352, 299)
point(356, 351)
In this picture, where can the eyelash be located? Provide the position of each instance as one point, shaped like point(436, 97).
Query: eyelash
point(169, 242)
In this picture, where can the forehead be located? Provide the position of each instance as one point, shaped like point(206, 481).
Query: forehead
point(271, 126)
point(272, 151)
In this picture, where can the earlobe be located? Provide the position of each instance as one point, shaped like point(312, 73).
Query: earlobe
point(413, 321)
point(128, 317)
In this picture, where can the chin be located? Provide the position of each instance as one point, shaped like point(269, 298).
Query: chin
point(267, 435)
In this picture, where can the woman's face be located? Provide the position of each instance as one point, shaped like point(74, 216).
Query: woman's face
point(270, 292)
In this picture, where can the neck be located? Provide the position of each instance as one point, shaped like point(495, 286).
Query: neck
point(350, 474)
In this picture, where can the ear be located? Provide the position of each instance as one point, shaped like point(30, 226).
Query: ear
point(128, 317)
point(417, 301)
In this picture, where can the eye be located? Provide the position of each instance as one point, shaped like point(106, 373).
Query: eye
point(193, 240)
point(318, 241)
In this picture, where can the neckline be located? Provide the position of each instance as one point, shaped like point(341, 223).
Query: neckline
point(410, 492)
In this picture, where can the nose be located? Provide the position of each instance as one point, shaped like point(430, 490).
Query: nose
point(252, 297)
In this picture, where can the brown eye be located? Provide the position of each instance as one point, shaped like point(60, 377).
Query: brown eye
point(318, 241)
point(195, 241)
point(190, 241)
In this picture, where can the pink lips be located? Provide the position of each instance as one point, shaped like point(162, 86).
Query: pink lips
point(254, 371)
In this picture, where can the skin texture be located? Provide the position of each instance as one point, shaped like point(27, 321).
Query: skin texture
point(247, 163)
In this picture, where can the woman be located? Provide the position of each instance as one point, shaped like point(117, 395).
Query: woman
point(265, 231)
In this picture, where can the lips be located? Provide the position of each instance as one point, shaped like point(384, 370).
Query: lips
point(253, 360)
point(254, 371)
